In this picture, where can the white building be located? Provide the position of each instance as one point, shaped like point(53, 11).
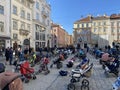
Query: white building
point(4, 23)
point(41, 24)
point(21, 23)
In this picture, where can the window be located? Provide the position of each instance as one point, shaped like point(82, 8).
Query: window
point(82, 25)
point(112, 30)
point(22, 14)
point(48, 22)
point(99, 23)
point(28, 27)
point(112, 23)
point(23, 1)
point(104, 23)
point(28, 4)
point(43, 36)
point(14, 10)
point(37, 5)
point(94, 29)
point(1, 26)
point(1, 9)
point(78, 26)
point(104, 29)
point(87, 24)
point(37, 35)
point(15, 25)
point(94, 23)
point(22, 25)
point(15, 36)
point(28, 16)
point(118, 24)
point(118, 30)
point(37, 16)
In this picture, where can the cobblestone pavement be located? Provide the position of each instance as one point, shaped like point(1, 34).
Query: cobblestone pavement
point(53, 81)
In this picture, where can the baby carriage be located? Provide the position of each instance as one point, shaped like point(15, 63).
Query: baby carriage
point(76, 75)
point(32, 59)
point(110, 64)
point(57, 62)
point(70, 62)
point(27, 72)
point(116, 84)
point(43, 66)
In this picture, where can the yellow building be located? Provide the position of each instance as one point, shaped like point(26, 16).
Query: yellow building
point(115, 28)
point(82, 31)
point(21, 22)
point(100, 30)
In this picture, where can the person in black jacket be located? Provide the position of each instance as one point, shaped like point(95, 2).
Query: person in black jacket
point(7, 55)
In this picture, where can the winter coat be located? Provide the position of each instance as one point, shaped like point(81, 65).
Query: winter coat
point(12, 79)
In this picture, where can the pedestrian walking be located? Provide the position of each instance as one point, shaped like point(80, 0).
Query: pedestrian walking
point(7, 55)
point(10, 55)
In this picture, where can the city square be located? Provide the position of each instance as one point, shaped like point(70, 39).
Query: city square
point(41, 38)
point(53, 81)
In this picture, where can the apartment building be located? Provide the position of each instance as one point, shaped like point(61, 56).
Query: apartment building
point(21, 22)
point(100, 30)
point(82, 30)
point(41, 24)
point(4, 24)
point(115, 28)
point(59, 36)
point(70, 40)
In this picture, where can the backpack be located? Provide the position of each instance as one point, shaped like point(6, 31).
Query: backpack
point(63, 73)
point(2, 67)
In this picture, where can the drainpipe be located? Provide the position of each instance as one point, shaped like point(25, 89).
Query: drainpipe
point(10, 25)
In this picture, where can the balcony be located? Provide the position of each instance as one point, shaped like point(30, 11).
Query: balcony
point(44, 14)
point(24, 32)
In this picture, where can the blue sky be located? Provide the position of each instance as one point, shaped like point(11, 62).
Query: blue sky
point(66, 12)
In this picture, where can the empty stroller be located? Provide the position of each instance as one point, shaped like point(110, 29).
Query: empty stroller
point(43, 66)
point(70, 62)
point(77, 75)
point(57, 62)
point(26, 71)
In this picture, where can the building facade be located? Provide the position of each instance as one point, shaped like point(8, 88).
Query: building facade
point(21, 23)
point(104, 30)
point(41, 24)
point(101, 30)
point(82, 31)
point(115, 28)
point(4, 24)
point(59, 36)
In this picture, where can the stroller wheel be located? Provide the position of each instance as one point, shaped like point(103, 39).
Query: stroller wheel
point(84, 87)
point(26, 80)
point(34, 77)
point(46, 72)
point(85, 82)
point(59, 65)
point(71, 86)
point(51, 65)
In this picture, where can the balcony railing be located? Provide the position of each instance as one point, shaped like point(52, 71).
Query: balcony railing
point(24, 32)
point(45, 14)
